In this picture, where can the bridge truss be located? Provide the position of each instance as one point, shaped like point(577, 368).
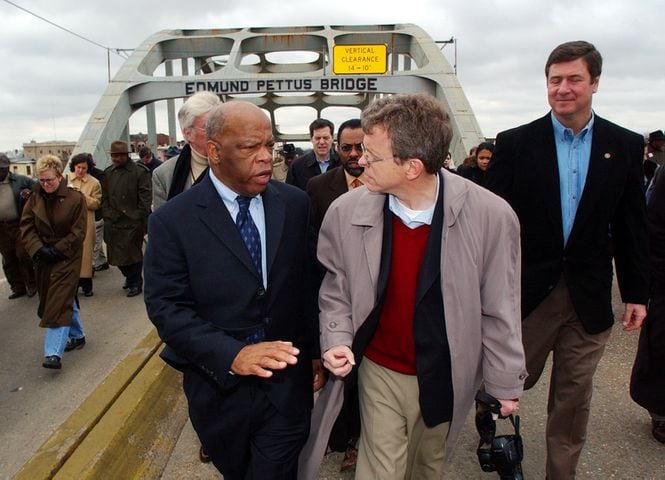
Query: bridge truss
point(288, 71)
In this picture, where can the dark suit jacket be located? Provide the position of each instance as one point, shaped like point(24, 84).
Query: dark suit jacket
point(203, 293)
point(323, 190)
point(306, 167)
point(610, 220)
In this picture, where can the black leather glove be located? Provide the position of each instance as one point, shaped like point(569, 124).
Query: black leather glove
point(48, 254)
point(44, 255)
point(57, 254)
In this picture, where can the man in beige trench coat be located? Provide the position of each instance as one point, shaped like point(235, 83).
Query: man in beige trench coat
point(423, 284)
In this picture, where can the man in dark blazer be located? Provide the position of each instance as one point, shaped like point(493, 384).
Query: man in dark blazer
point(232, 307)
point(325, 188)
point(319, 160)
point(574, 180)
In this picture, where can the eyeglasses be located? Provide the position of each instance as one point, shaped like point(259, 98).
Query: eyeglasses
point(370, 159)
point(347, 147)
point(44, 181)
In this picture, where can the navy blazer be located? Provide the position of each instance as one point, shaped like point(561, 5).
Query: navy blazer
point(610, 220)
point(203, 293)
point(306, 167)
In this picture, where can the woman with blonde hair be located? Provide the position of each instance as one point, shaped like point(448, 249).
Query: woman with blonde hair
point(53, 227)
point(79, 179)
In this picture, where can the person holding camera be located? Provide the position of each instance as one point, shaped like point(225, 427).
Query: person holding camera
point(420, 298)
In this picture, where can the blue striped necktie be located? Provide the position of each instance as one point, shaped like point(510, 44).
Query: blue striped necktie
point(249, 232)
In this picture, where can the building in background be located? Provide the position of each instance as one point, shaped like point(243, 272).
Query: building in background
point(59, 148)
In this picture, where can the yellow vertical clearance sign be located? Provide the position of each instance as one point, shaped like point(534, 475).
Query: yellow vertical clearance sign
point(360, 59)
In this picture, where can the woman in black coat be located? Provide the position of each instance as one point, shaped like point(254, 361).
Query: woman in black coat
point(476, 173)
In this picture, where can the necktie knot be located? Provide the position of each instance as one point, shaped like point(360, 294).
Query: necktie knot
point(243, 203)
point(356, 183)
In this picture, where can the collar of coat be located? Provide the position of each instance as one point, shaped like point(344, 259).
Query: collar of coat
point(369, 210)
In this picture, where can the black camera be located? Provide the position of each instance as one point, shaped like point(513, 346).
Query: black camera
point(502, 454)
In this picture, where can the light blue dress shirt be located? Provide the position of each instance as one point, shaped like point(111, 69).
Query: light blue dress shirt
point(323, 164)
point(573, 154)
point(256, 210)
point(413, 218)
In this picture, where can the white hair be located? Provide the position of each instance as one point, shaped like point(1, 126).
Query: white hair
point(198, 104)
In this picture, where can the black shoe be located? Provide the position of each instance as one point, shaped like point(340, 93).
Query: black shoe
point(31, 292)
point(74, 344)
point(658, 430)
point(99, 268)
point(52, 362)
point(87, 293)
point(125, 286)
point(16, 295)
point(134, 291)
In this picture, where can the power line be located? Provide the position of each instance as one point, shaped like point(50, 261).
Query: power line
point(114, 50)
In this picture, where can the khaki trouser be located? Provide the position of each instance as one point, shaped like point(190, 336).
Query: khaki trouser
point(395, 443)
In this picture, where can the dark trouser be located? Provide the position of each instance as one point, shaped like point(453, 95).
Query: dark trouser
point(86, 284)
point(554, 326)
point(15, 261)
point(346, 430)
point(647, 382)
point(246, 437)
point(133, 274)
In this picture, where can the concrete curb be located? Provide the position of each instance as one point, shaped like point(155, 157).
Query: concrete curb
point(125, 429)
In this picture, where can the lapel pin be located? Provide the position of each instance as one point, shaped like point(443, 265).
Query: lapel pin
point(608, 155)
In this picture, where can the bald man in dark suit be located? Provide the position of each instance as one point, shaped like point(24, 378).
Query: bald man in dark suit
point(227, 287)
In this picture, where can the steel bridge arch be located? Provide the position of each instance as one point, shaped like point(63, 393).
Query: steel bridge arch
point(244, 63)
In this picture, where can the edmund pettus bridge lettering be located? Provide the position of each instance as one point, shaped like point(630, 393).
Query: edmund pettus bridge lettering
point(347, 84)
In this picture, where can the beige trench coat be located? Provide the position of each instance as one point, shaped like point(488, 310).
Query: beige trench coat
point(480, 265)
point(91, 189)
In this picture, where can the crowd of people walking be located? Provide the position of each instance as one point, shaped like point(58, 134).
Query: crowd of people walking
point(376, 275)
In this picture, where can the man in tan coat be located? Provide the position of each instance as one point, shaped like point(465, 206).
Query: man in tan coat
point(422, 284)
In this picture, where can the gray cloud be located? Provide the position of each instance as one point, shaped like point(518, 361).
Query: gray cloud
point(51, 81)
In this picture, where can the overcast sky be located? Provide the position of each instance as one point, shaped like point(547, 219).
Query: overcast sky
point(50, 81)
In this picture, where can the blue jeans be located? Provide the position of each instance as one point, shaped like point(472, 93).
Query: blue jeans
point(56, 337)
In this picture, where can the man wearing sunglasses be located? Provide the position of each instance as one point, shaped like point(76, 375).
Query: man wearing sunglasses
point(324, 189)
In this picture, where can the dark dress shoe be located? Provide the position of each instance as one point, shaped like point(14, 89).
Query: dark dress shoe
point(31, 292)
point(658, 430)
point(203, 456)
point(53, 362)
point(16, 295)
point(74, 344)
point(125, 286)
point(88, 293)
point(134, 291)
point(99, 268)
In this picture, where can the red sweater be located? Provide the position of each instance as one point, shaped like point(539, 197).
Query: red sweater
point(393, 345)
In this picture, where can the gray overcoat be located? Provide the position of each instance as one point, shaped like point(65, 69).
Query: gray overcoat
point(480, 281)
